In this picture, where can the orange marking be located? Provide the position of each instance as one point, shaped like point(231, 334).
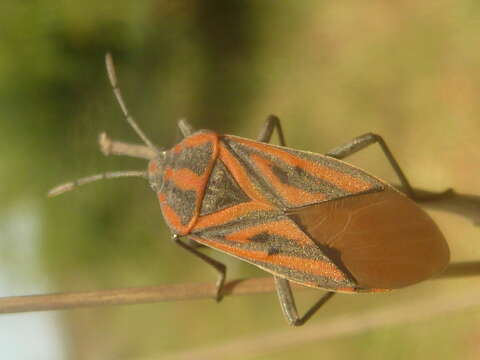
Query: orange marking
point(313, 267)
point(173, 219)
point(185, 179)
point(238, 172)
point(231, 213)
point(293, 195)
point(340, 179)
point(196, 140)
point(284, 228)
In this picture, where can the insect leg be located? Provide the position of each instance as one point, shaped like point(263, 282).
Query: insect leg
point(221, 268)
point(186, 129)
point(287, 303)
point(284, 291)
point(194, 244)
point(361, 142)
point(272, 123)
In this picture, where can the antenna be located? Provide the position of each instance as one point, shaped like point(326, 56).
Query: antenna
point(112, 76)
point(89, 179)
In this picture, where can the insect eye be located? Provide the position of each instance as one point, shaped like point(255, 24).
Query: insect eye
point(155, 174)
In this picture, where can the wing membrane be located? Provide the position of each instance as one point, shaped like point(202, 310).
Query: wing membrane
point(383, 239)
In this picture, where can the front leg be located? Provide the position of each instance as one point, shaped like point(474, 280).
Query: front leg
point(272, 123)
point(361, 142)
point(217, 265)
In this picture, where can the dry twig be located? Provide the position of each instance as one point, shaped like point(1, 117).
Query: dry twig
point(174, 292)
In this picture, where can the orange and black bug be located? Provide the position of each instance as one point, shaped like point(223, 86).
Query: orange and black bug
point(303, 217)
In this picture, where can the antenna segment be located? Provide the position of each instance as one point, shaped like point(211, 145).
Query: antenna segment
point(118, 95)
point(89, 179)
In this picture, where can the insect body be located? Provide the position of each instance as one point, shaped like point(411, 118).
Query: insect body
point(303, 217)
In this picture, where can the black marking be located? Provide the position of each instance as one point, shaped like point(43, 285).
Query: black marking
point(183, 202)
point(195, 158)
point(282, 245)
point(273, 243)
point(261, 237)
point(335, 164)
point(249, 219)
point(222, 191)
point(299, 178)
point(273, 251)
point(258, 181)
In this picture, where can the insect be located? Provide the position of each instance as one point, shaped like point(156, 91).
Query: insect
point(303, 217)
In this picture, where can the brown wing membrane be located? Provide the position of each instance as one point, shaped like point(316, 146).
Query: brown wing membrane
point(383, 239)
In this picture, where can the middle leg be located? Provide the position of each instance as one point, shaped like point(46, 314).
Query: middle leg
point(287, 302)
point(217, 265)
point(361, 142)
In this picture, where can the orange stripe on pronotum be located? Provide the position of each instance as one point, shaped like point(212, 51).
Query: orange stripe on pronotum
point(303, 217)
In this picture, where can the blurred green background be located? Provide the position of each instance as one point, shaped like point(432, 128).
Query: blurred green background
point(331, 70)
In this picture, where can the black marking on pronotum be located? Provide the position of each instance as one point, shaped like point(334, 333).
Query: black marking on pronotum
point(195, 158)
point(183, 202)
point(222, 191)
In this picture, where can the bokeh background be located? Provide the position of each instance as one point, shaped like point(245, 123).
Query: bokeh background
point(331, 70)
